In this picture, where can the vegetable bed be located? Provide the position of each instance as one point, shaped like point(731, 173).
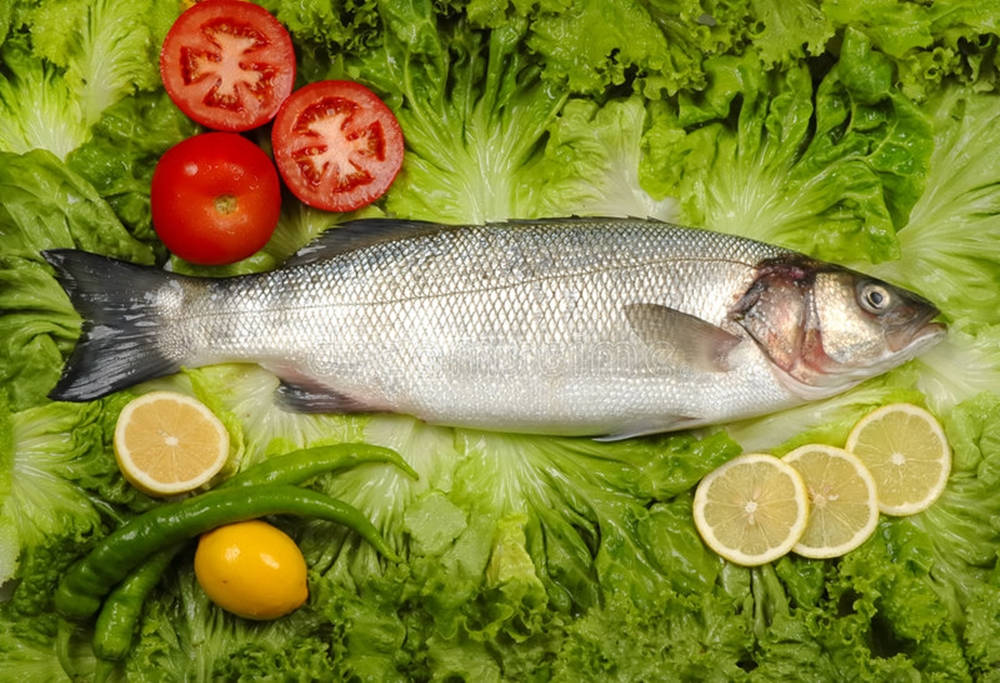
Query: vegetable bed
point(863, 133)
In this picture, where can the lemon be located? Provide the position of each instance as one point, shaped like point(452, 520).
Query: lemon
point(251, 569)
point(752, 509)
point(168, 443)
point(907, 453)
point(843, 506)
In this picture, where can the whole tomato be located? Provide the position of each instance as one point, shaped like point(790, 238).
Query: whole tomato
point(215, 198)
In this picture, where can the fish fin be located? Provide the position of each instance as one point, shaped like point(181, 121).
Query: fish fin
point(122, 326)
point(666, 424)
point(682, 337)
point(313, 398)
point(360, 233)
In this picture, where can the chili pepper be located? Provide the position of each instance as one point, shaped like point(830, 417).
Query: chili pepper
point(296, 467)
point(116, 622)
point(82, 589)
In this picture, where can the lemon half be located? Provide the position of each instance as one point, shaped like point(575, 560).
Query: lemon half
point(168, 443)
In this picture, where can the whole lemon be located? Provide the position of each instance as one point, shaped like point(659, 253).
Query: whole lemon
point(251, 569)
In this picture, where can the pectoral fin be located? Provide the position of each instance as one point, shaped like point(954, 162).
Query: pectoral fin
point(680, 338)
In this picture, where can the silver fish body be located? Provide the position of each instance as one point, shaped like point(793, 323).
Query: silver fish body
point(571, 326)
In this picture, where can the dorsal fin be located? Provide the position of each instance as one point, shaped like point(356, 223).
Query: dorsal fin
point(360, 233)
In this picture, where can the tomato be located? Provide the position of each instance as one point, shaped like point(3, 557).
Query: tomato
point(215, 198)
point(338, 147)
point(251, 569)
point(228, 64)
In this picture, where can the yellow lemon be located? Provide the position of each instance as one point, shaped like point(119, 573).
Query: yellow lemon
point(905, 449)
point(168, 443)
point(251, 569)
point(752, 509)
point(843, 507)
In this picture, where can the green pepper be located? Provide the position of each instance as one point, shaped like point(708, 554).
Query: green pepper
point(296, 467)
point(83, 588)
point(116, 622)
point(121, 611)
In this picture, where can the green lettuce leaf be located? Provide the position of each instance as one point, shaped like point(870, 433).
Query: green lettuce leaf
point(782, 31)
point(963, 366)
point(119, 158)
point(27, 646)
point(830, 172)
point(595, 45)
point(70, 60)
point(60, 483)
point(931, 44)
point(45, 205)
point(473, 110)
point(949, 246)
point(37, 107)
point(590, 164)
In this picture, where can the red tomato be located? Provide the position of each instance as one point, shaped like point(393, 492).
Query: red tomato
point(228, 64)
point(215, 198)
point(337, 146)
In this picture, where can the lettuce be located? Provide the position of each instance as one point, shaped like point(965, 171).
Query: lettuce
point(965, 365)
point(61, 486)
point(590, 164)
point(930, 44)
point(119, 158)
point(857, 132)
point(45, 205)
point(949, 245)
point(473, 111)
point(69, 60)
point(37, 108)
point(829, 170)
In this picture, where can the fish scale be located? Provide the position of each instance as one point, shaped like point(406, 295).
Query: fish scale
point(514, 325)
point(562, 326)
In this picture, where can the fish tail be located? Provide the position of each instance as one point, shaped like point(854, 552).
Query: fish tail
point(123, 324)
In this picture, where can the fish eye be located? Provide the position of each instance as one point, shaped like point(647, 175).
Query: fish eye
point(874, 298)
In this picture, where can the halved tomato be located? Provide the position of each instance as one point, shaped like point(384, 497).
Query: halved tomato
point(337, 145)
point(228, 64)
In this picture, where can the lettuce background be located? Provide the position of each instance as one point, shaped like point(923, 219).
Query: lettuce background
point(858, 132)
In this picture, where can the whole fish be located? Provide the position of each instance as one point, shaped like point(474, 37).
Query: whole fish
point(570, 326)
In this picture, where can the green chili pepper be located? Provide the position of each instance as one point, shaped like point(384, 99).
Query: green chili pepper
point(116, 622)
point(82, 589)
point(296, 467)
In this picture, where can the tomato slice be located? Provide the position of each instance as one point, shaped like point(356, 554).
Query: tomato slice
point(215, 198)
point(337, 145)
point(228, 64)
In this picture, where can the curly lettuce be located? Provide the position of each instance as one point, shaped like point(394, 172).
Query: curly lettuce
point(68, 61)
point(830, 170)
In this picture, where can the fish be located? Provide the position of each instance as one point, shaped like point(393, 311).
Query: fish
point(601, 327)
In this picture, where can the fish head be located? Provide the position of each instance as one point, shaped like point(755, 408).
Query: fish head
point(826, 328)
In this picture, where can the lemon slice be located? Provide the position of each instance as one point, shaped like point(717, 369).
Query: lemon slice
point(752, 509)
point(905, 449)
point(843, 506)
point(168, 443)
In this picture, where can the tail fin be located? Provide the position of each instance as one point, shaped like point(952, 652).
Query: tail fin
point(122, 325)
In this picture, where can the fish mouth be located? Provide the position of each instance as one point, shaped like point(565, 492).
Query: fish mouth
point(928, 332)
